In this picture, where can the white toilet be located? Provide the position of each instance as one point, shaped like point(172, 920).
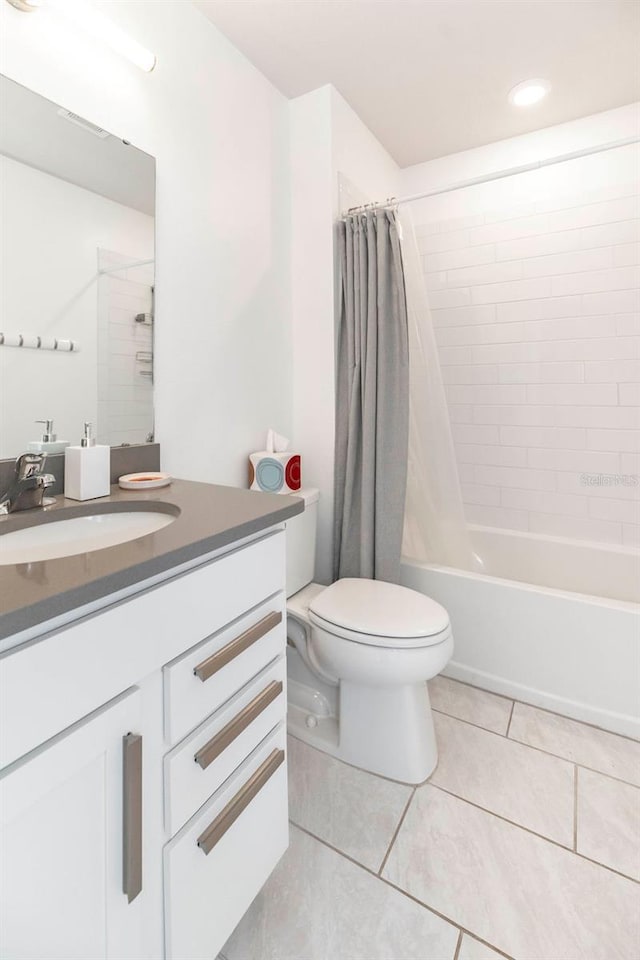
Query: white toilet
point(359, 655)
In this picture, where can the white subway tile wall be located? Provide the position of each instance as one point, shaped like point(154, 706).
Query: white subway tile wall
point(536, 312)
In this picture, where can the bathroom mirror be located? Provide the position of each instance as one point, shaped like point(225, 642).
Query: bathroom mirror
point(77, 209)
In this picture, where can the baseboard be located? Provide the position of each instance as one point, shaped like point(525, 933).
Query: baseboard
point(621, 723)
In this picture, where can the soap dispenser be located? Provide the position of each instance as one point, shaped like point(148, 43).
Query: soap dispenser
point(49, 442)
point(87, 468)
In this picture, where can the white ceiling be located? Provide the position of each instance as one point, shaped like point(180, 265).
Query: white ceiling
point(32, 131)
point(431, 77)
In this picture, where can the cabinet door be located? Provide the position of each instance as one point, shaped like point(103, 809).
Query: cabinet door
point(64, 824)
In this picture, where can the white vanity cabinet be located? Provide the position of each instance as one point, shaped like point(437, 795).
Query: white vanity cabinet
point(143, 789)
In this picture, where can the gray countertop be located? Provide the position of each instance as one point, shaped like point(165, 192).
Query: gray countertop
point(208, 517)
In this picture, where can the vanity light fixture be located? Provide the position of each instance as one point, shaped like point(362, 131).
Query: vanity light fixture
point(528, 92)
point(97, 26)
point(28, 6)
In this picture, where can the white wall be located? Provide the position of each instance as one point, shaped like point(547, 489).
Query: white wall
point(533, 283)
point(312, 305)
point(327, 140)
point(219, 132)
point(49, 238)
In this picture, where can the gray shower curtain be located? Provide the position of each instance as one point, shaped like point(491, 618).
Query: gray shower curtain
point(372, 399)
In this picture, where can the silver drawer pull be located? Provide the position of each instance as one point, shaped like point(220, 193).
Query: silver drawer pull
point(227, 817)
point(234, 728)
point(234, 648)
point(132, 815)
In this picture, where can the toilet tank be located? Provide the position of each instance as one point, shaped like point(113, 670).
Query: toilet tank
point(301, 542)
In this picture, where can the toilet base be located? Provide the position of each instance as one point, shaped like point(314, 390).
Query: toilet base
point(388, 732)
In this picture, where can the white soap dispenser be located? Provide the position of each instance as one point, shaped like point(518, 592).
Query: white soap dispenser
point(87, 469)
point(49, 442)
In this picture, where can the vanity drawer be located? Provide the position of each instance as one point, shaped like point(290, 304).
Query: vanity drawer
point(219, 861)
point(196, 768)
point(198, 682)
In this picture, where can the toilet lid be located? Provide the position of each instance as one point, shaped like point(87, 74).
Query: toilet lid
point(378, 610)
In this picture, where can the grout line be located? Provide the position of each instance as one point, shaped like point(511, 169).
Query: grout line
point(530, 746)
point(534, 706)
point(443, 916)
point(465, 285)
point(463, 683)
point(495, 733)
point(533, 833)
point(404, 893)
point(508, 323)
point(484, 809)
point(341, 853)
point(573, 851)
point(458, 945)
point(470, 723)
point(529, 236)
point(575, 809)
point(491, 813)
point(513, 706)
point(584, 766)
point(477, 726)
point(345, 763)
point(514, 486)
point(498, 343)
point(583, 723)
point(500, 816)
point(397, 830)
point(553, 274)
point(570, 252)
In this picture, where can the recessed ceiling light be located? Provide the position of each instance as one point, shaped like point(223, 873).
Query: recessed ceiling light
point(528, 92)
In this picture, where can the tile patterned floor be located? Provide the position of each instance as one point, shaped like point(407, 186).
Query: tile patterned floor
point(524, 843)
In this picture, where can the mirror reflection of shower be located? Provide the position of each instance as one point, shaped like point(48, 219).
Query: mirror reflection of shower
point(126, 325)
point(147, 319)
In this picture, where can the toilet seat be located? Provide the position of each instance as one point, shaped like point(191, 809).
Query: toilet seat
point(376, 613)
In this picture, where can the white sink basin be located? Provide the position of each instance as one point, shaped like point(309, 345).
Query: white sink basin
point(64, 538)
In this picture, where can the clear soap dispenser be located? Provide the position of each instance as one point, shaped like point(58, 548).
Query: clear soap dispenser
point(49, 442)
point(87, 468)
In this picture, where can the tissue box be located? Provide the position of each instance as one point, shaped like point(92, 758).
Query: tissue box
point(274, 472)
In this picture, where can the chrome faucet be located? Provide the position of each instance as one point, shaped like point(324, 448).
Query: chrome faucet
point(28, 485)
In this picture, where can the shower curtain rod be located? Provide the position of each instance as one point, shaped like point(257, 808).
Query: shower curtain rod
point(488, 178)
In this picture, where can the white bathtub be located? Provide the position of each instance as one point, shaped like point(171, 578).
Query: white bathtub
point(550, 621)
